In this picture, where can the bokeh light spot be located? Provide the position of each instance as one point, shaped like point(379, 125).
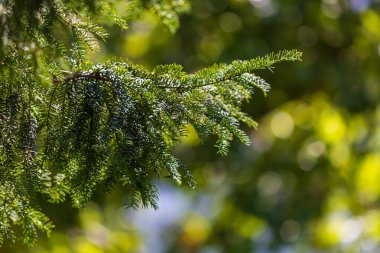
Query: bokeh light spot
point(340, 155)
point(229, 22)
point(328, 231)
point(331, 8)
point(270, 184)
point(282, 125)
point(250, 226)
point(359, 5)
point(209, 49)
point(302, 116)
point(331, 126)
point(192, 138)
point(265, 7)
point(368, 178)
point(290, 230)
point(137, 44)
point(195, 230)
point(351, 230)
point(305, 161)
point(371, 22)
point(316, 149)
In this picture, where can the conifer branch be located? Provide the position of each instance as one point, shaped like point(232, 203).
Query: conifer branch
point(92, 127)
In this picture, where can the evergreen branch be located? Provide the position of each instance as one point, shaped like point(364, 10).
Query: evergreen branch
point(206, 77)
point(87, 129)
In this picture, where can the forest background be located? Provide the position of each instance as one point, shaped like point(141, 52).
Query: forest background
point(310, 180)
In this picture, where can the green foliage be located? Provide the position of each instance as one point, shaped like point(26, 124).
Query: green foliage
point(76, 128)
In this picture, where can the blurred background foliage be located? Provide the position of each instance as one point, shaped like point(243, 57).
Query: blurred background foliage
point(310, 182)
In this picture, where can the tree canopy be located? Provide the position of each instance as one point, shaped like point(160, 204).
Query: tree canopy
point(74, 127)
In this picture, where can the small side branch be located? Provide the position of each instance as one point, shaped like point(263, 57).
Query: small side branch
point(70, 76)
point(77, 75)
